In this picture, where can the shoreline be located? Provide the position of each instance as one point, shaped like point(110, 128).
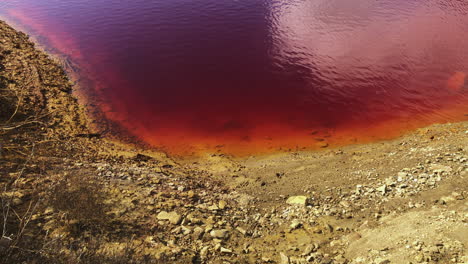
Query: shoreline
point(100, 121)
point(79, 197)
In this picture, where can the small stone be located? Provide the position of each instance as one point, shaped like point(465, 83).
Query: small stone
point(457, 196)
point(299, 200)
point(447, 199)
point(381, 261)
point(335, 243)
point(345, 204)
point(222, 204)
point(382, 189)
point(16, 201)
point(437, 168)
point(340, 259)
point(241, 230)
point(217, 247)
point(220, 233)
point(191, 194)
point(295, 224)
point(225, 250)
point(173, 217)
point(419, 258)
point(204, 252)
point(208, 228)
point(402, 174)
point(186, 230)
point(198, 232)
point(309, 249)
point(283, 258)
point(213, 207)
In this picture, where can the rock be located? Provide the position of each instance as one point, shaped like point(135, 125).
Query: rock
point(283, 258)
point(309, 249)
point(340, 259)
point(437, 168)
point(457, 196)
point(225, 250)
point(345, 204)
point(198, 232)
point(419, 258)
point(298, 200)
point(359, 189)
point(16, 201)
point(402, 174)
point(381, 261)
point(217, 247)
point(382, 189)
point(185, 230)
point(191, 194)
point(295, 224)
point(241, 230)
point(173, 217)
point(213, 207)
point(219, 233)
point(204, 252)
point(447, 199)
point(222, 204)
point(335, 243)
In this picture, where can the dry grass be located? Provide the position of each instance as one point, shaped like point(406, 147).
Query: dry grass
point(81, 198)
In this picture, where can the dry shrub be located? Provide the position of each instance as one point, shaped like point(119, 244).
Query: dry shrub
point(81, 197)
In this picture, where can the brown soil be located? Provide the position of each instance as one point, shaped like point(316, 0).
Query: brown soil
point(70, 195)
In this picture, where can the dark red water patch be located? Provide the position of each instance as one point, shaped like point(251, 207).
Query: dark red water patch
point(246, 76)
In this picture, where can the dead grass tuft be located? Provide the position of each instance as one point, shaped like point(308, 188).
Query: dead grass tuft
point(81, 198)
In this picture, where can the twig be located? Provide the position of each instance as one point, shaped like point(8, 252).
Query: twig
point(6, 206)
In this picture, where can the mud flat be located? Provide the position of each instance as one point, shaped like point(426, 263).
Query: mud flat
point(71, 195)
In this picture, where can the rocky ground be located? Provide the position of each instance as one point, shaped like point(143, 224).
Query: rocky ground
point(70, 195)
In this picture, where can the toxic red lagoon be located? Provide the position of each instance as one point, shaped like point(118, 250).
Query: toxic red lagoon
point(259, 76)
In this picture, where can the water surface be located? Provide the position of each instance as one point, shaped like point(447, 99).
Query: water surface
point(250, 76)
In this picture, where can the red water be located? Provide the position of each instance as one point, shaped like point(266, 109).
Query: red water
point(258, 76)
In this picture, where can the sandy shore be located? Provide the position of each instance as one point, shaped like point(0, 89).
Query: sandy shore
point(70, 195)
